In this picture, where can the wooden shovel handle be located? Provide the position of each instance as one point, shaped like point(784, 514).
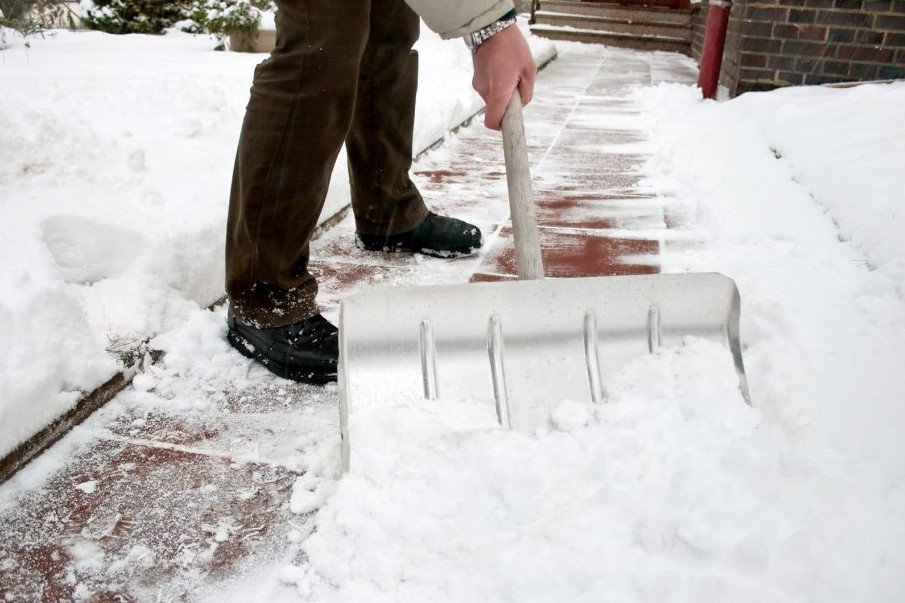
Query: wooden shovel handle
point(521, 199)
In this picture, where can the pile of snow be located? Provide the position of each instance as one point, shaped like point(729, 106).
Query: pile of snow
point(443, 506)
point(114, 166)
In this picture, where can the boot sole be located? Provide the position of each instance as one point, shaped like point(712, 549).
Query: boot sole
point(434, 253)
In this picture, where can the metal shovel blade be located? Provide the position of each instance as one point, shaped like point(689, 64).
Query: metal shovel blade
point(522, 346)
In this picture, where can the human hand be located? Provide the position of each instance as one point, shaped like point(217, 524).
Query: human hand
point(502, 63)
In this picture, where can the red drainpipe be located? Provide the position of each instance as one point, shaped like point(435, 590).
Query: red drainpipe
point(714, 42)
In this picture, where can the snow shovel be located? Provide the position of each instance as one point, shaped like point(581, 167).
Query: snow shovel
point(523, 346)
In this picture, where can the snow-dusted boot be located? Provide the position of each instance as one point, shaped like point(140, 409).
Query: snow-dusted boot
point(437, 236)
point(305, 351)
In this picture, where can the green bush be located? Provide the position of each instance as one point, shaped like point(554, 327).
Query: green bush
point(220, 17)
point(135, 16)
point(217, 17)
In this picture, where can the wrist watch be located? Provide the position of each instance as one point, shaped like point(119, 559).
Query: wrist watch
point(476, 38)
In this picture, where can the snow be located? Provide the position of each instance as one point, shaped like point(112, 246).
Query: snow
point(115, 159)
point(819, 265)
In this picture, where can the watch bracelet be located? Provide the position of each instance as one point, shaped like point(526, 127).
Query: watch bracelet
point(476, 38)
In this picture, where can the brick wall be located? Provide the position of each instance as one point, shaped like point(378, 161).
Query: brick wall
point(698, 25)
point(775, 43)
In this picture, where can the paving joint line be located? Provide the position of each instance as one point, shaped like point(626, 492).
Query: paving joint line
point(158, 445)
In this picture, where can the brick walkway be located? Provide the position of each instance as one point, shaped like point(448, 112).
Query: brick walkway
point(153, 502)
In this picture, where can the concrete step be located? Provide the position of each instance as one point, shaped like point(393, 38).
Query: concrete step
point(617, 25)
point(645, 14)
point(638, 27)
point(591, 36)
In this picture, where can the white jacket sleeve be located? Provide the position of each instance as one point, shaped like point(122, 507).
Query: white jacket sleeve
point(454, 18)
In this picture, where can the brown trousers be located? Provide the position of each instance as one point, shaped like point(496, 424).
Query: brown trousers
point(341, 72)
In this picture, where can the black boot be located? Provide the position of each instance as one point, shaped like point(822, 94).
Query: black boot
point(305, 351)
point(436, 236)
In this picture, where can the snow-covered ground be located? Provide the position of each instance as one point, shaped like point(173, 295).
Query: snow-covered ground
point(115, 156)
